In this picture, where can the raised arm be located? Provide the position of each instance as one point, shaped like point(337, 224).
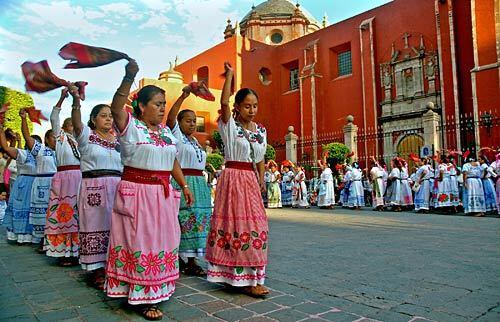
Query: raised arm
point(121, 95)
point(76, 114)
point(172, 114)
point(226, 93)
point(54, 116)
point(11, 151)
point(30, 142)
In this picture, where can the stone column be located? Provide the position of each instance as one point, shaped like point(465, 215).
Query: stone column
point(351, 135)
point(291, 145)
point(430, 123)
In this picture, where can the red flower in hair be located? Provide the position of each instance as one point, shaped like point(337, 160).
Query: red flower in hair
point(134, 97)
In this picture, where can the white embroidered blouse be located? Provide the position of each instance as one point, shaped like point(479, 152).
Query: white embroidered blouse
point(66, 145)
point(97, 153)
point(237, 147)
point(191, 154)
point(45, 158)
point(142, 148)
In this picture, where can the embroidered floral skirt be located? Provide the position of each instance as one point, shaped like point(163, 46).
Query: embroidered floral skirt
point(143, 247)
point(61, 227)
point(238, 240)
point(40, 193)
point(443, 197)
point(18, 211)
point(473, 198)
point(95, 204)
point(274, 195)
point(490, 198)
point(300, 195)
point(195, 220)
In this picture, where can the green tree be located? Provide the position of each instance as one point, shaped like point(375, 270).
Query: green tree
point(337, 153)
point(215, 159)
point(270, 153)
point(17, 101)
point(218, 140)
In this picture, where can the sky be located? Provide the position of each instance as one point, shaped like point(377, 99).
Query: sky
point(153, 32)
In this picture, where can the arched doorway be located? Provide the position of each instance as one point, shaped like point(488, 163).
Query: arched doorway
point(410, 144)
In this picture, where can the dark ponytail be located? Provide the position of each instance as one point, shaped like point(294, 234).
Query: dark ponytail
point(94, 113)
point(144, 96)
point(182, 113)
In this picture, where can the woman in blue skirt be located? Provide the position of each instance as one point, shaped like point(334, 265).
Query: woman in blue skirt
point(17, 213)
point(194, 220)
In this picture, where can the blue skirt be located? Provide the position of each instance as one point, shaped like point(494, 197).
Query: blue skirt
point(18, 207)
point(490, 198)
point(195, 220)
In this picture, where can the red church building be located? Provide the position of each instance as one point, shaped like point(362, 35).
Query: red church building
point(410, 73)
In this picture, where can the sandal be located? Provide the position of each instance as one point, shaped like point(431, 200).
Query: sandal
point(67, 262)
point(194, 270)
point(255, 291)
point(150, 312)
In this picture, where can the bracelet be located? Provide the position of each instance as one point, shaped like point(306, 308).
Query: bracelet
point(76, 107)
point(121, 93)
point(185, 187)
point(128, 78)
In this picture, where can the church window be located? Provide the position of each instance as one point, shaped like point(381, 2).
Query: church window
point(265, 76)
point(344, 63)
point(276, 38)
point(294, 79)
point(200, 124)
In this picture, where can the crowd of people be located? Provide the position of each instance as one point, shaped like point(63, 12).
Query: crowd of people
point(445, 187)
point(125, 196)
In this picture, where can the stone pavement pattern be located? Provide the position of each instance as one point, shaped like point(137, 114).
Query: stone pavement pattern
point(338, 265)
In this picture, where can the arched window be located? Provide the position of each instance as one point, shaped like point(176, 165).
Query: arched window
point(202, 74)
point(265, 76)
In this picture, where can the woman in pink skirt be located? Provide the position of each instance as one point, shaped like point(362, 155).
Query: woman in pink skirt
point(101, 168)
point(238, 240)
point(145, 233)
point(61, 228)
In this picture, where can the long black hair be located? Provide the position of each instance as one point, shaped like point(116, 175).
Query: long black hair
point(144, 96)
point(94, 113)
point(240, 97)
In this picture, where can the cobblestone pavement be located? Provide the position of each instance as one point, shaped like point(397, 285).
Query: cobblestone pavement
point(325, 265)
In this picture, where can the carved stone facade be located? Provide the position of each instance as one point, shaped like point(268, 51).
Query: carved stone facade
point(408, 82)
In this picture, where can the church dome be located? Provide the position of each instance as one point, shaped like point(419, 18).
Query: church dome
point(277, 9)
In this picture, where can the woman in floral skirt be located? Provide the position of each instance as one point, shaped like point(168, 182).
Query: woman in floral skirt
point(238, 242)
point(142, 263)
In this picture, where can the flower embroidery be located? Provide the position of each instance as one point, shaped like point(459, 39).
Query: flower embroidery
point(94, 199)
point(154, 288)
point(129, 260)
point(245, 237)
point(263, 236)
point(236, 244)
point(56, 240)
point(151, 263)
point(221, 242)
point(170, 261)
point(64, 212)
point(113, 282)
point(237, 241)
point(113, 254)
point(95, 139)
point(257, 243)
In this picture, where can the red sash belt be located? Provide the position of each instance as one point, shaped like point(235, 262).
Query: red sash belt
point(239, 165)
point(148, 177)
point(68, 167)
point(192, 172)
